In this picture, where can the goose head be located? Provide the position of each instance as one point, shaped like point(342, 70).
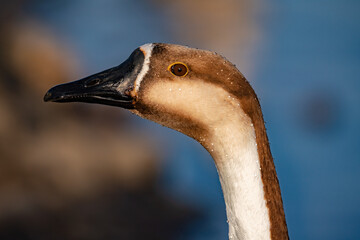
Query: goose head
point(186, 89)
point(204, 96)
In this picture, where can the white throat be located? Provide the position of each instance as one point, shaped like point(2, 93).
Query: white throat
point(231, 141)
point(237, 161)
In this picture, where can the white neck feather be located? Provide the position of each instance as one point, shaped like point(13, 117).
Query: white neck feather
point(237, 161)
point(231, 141)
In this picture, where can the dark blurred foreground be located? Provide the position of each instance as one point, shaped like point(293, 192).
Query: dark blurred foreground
point(70, 172)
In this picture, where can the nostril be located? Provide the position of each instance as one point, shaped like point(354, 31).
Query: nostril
point(92, 82)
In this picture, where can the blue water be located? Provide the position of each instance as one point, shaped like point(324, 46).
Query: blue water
point(307, 67)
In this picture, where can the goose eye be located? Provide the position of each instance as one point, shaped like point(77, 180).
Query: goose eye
point(178, 69)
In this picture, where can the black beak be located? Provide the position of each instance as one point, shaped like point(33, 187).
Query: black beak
point(110, 87)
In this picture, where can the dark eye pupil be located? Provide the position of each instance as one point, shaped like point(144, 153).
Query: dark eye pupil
point(179, 69)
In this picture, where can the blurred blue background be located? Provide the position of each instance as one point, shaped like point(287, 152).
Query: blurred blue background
point(301, 57)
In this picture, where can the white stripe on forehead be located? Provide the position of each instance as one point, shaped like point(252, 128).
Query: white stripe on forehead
point(147, 50)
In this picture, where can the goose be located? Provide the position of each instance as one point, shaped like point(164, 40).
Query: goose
point(204, 96)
